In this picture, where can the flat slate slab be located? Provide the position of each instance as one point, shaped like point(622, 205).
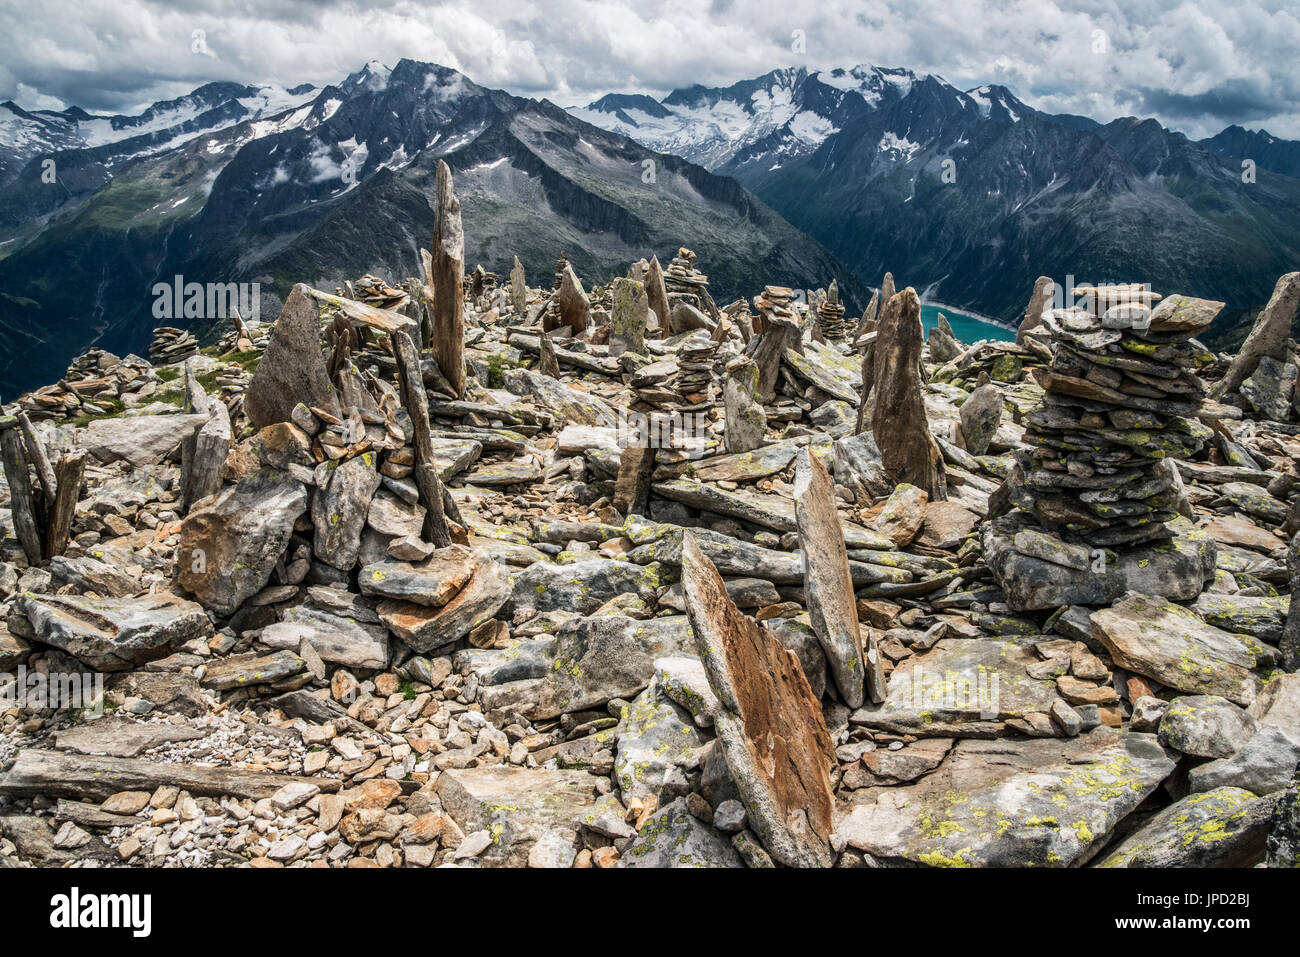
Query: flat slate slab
point(1046, 802)
point(83, 776)
point(962, 687)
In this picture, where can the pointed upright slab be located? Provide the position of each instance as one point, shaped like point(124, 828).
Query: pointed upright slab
point(907, 449)
point(449, 284)
point(832, 606)
point(657, 295)
point(769, 724)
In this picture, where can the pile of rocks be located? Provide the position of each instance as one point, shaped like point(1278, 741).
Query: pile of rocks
point(1121, 398)
point(683, 278)
point(172, 345)
point(374, 291)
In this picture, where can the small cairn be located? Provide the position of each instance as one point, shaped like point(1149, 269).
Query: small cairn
point(774, 301)
point(171, 345)
point(830, 316)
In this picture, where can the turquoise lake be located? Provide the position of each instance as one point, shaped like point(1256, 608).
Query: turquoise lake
point(966, 328)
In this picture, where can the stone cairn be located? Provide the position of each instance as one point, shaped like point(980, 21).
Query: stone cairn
point(775, 301)
point(171, 345)
point(681, 277)
point(1121, 397)
point(830, 316)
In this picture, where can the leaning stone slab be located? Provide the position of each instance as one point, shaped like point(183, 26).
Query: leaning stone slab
point(433, 582)
point(832, 606)
point(769, 724)
point(110, 634)
point(339, 511)
point(1161, 640)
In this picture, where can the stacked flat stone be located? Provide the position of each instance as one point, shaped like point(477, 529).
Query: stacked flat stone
point(694, 380)
point(171, 345)
point(1121, 395)
point(775, 301)
point(681, 276)
point(830, 316)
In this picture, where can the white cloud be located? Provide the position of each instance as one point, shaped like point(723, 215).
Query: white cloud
point(1195, 66)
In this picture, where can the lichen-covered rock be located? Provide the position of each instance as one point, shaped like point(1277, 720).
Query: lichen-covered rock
point(672, 837)
point(1225, 827)
point(584, 586)
point(1043, 803)
point(516, 806)
point(230, 546)
point(339, 510)
point(655, 735)
point(110, 634)
point(1205, 726)
point(1264, 764)
point(1161, 640)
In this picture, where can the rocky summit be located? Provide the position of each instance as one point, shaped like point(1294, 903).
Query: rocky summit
point(447, 570)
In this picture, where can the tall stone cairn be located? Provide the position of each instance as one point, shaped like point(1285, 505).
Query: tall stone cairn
point(1121, 395)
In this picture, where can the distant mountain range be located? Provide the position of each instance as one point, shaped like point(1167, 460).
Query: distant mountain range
point(793, 177)
point(857, 158)
point(255, 184)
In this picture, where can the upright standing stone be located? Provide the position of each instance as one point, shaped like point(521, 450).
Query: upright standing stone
point(518, 288)
point(1268, 336)
point(770, 726)
point(746, 423)
point(981, 414)
point(1039, 301)
point(339, 511)
point(908, 451)
point(572, 303)
point(627, 317)
point(293, 369)
point(832, 606)
point(657, 295)
point(449, 284)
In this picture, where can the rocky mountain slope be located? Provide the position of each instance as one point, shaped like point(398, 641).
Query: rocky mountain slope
point(857, 158)
point(339, 177)
point(557, 605)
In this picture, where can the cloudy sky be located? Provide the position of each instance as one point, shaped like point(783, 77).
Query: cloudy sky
point(1195, 66)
